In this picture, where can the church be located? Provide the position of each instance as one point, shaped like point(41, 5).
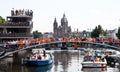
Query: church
point(63, 30)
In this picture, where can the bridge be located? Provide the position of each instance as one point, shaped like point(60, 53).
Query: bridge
point(59, 42)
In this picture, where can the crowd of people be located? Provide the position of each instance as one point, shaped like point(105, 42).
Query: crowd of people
point(21, 12)
point(63, 39)
point(40, 54)
point(95, 56)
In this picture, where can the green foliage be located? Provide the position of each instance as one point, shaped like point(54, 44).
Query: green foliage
point(36, 34)
point(105, 33)
point(118, 34)
point(2, 20)
point(97, 31)
point(73, 35)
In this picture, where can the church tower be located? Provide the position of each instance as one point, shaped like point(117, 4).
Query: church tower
point(64, 24)
point(63, 30)
point(64, 21)
point(55, 27)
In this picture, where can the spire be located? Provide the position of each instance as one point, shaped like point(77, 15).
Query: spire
point(64, 15)
point(64, 19)
point(55, 21)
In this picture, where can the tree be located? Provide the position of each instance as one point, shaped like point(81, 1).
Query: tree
point(105, 33)
point(100, 30)
point(2, 20)
point(118, 34)
point(97, 31)
point(36, 34)
point(73, 35)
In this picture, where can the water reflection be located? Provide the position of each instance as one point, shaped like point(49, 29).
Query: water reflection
point(45, 68)
point(3, 66)
point(63, 61)
point(61, 58)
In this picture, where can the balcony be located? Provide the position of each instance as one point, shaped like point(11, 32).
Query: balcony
point(16, 35)
point(16, 25)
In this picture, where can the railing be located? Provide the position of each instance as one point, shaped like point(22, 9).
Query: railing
point(16, 24)
point(16, 35)
point(36, 45)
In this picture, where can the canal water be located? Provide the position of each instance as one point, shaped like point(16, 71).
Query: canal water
point(64, 61)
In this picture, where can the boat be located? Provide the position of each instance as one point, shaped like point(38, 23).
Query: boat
point(94, 59)
point(39, 58)
point(112, 53)
point(112, 57)
point(89, 63)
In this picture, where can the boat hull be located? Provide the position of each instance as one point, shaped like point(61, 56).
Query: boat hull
point(39, 62)
point(93, 65)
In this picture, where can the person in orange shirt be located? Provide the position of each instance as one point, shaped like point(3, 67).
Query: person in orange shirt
point(97, 59)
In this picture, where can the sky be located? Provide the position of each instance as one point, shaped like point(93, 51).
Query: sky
point(81, 14)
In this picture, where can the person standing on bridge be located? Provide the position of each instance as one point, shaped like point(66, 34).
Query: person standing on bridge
point(25, 43)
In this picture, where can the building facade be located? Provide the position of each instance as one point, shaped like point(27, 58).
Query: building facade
point(17, 26)
point(111, 33)
point(47, 35)
point(63, 30)
point(80, 34)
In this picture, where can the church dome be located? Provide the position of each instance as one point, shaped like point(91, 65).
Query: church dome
point(64, 19)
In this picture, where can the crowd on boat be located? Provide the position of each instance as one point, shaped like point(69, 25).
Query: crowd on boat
point(94, 56)
point(38, 55)
point(94, 59)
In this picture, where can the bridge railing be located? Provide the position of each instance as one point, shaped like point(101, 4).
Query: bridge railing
point(38, 44)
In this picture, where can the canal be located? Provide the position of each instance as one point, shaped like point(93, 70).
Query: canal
point(64, 61)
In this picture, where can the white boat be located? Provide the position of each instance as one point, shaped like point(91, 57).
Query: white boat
point(112, 57)
point(88, 63)
point(112, 53)
point(38, 58)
